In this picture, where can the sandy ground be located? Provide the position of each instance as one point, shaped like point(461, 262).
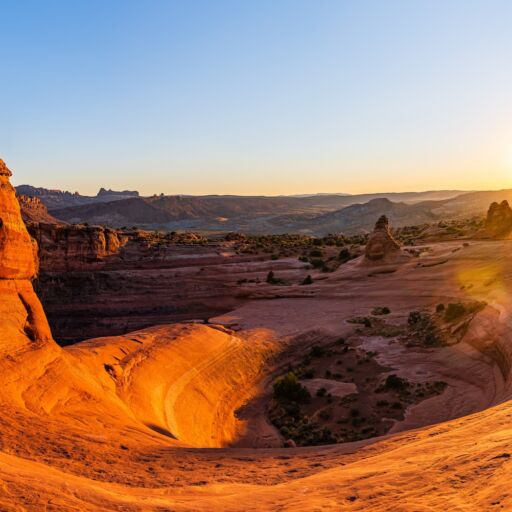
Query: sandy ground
point(148, 421)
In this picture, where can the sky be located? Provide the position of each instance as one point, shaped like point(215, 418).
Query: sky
point(257, 96)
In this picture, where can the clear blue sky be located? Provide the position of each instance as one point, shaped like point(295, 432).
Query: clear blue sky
point(257, 97)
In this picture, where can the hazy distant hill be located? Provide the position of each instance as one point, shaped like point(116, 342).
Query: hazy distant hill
point(316, 214)
point(360, 217)
point(122, 212)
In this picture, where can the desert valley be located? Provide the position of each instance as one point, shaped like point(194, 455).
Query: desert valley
point(308, 353)
point(255, 256)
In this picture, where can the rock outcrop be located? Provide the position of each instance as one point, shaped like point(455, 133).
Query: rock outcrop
point(499, 220)
point(34, 210)
point(75, 247)
point(381, 243)
point(25, 318)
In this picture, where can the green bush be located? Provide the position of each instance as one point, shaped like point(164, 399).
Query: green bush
point(454, 311)
point(289, 388)
point(396, 383)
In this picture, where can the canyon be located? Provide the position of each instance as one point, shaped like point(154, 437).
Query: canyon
point(186, 416)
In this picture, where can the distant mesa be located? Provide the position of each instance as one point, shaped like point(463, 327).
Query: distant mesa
point(381, 243)
point(103, 192)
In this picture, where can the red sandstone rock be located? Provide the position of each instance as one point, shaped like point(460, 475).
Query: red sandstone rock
point(19, 305)
point(499, 220)
point(33, 210)
point(381, 243)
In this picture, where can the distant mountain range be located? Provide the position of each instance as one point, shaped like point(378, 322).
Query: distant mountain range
point(316, 214)
point(61, 199)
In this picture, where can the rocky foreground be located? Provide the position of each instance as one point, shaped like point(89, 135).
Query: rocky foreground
point(176, 417)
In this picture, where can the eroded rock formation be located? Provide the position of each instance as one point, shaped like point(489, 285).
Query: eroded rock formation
point(381, 243)
point(63, 247)
point(20, 306)
point(499, 219)
point(34, 210)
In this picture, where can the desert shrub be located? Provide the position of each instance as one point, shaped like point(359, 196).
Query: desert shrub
point(272, 279)
point(289, 388)
point(344, 255)
point(316, 253)
point(317, 262)
point(307, 280)
point(308, 373)
point(325, 414)
point(414, 318)
point(395, 382)
point(321, 392)
point(381, 311)
point(454, 311)
point(440, 308)
point(317, 351)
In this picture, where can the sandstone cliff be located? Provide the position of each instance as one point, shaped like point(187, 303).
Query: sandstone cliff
point(25, 318)
point(64, 247)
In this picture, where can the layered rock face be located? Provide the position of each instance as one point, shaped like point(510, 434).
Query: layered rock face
point(381, 243)
point(63, 247)
point(33, 210)
point(499, 219)
point(95, 281)
point(20, 306)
